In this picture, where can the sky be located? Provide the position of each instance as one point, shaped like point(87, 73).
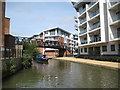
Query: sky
point(30, 18)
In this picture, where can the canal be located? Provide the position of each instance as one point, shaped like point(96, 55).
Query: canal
point(63, 74)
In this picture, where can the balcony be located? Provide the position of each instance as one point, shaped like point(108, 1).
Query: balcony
point(113, 3)
point(97, 39)
point(116, 17)
point(83, 31)
point(97, 25)
point(94, 13)
point(76, 27)
point(82, 10)
point(117, 36)
point(82, 20)
point(90, 4)
point(54, 44)
point(84, 42)
point(75, 18)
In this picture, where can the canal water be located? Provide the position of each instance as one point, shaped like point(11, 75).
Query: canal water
point(63, 74)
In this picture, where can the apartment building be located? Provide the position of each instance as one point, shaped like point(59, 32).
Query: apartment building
point(56, 42)
point(98, 26)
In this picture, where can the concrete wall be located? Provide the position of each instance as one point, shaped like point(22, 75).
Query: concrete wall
point(109, 52)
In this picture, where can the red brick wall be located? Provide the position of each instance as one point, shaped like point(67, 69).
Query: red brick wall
point(2, 16)
point(7, 26)
point(40, 50)
point(40, 41)
point(67, 52)
point(61, 41)
point(64, 52)
point(9, 41)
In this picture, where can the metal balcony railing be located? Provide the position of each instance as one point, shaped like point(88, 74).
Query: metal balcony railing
point(113, 3)
point(83, 31)
point(84, 42)
point(96, 40)
point(97, 25)
point(90, 4)
point(94, 13)
point(117, 36)
point(82, 10)
point(75, 17)
point(116, 17)
point(82, 20)
point(76, 26)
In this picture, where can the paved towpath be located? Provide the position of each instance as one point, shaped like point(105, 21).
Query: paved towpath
point(112, 65)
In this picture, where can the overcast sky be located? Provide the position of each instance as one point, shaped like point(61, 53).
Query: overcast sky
point(29, 18)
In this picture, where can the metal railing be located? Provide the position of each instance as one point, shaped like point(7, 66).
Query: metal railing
point(113, 3)
point(117, 36)
point(83, 31)
point(82, 20)
point(7, 53)
point(116, 17)
point(97, 25)
point(84, 42)
point(94, 13)
point(82, 10)
point(96, 40)
point(90, 4)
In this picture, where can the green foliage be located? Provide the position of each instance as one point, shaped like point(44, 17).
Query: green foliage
point(30, 51)
point(12, 65)
point(25, 60)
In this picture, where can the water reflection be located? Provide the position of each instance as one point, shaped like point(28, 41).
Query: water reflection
point(62, 74)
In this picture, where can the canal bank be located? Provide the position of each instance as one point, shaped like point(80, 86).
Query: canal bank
point(105, 64)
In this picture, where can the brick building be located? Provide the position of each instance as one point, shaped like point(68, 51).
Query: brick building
point(2, 16)
point(7, 26)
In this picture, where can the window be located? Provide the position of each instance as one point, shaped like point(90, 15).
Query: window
point(52, 32)
point(104, 48)
point(55, 38)
point(118, 32)
point(81, 50)
point(85, 49)
point(46, 37)
point(46, 32)
point(113, 47)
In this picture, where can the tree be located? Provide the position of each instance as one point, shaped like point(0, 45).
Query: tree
point(29, 52)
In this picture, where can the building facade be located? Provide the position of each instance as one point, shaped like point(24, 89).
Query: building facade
point(56, 42)
point(2, 17)
point(98, 27)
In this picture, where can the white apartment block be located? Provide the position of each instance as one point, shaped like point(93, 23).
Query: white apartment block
point(56, 36)
point(98, 26)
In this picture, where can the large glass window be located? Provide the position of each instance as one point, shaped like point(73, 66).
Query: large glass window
point(85, 49)
point(113, 47)
point(104, 48)
point(81, 50)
